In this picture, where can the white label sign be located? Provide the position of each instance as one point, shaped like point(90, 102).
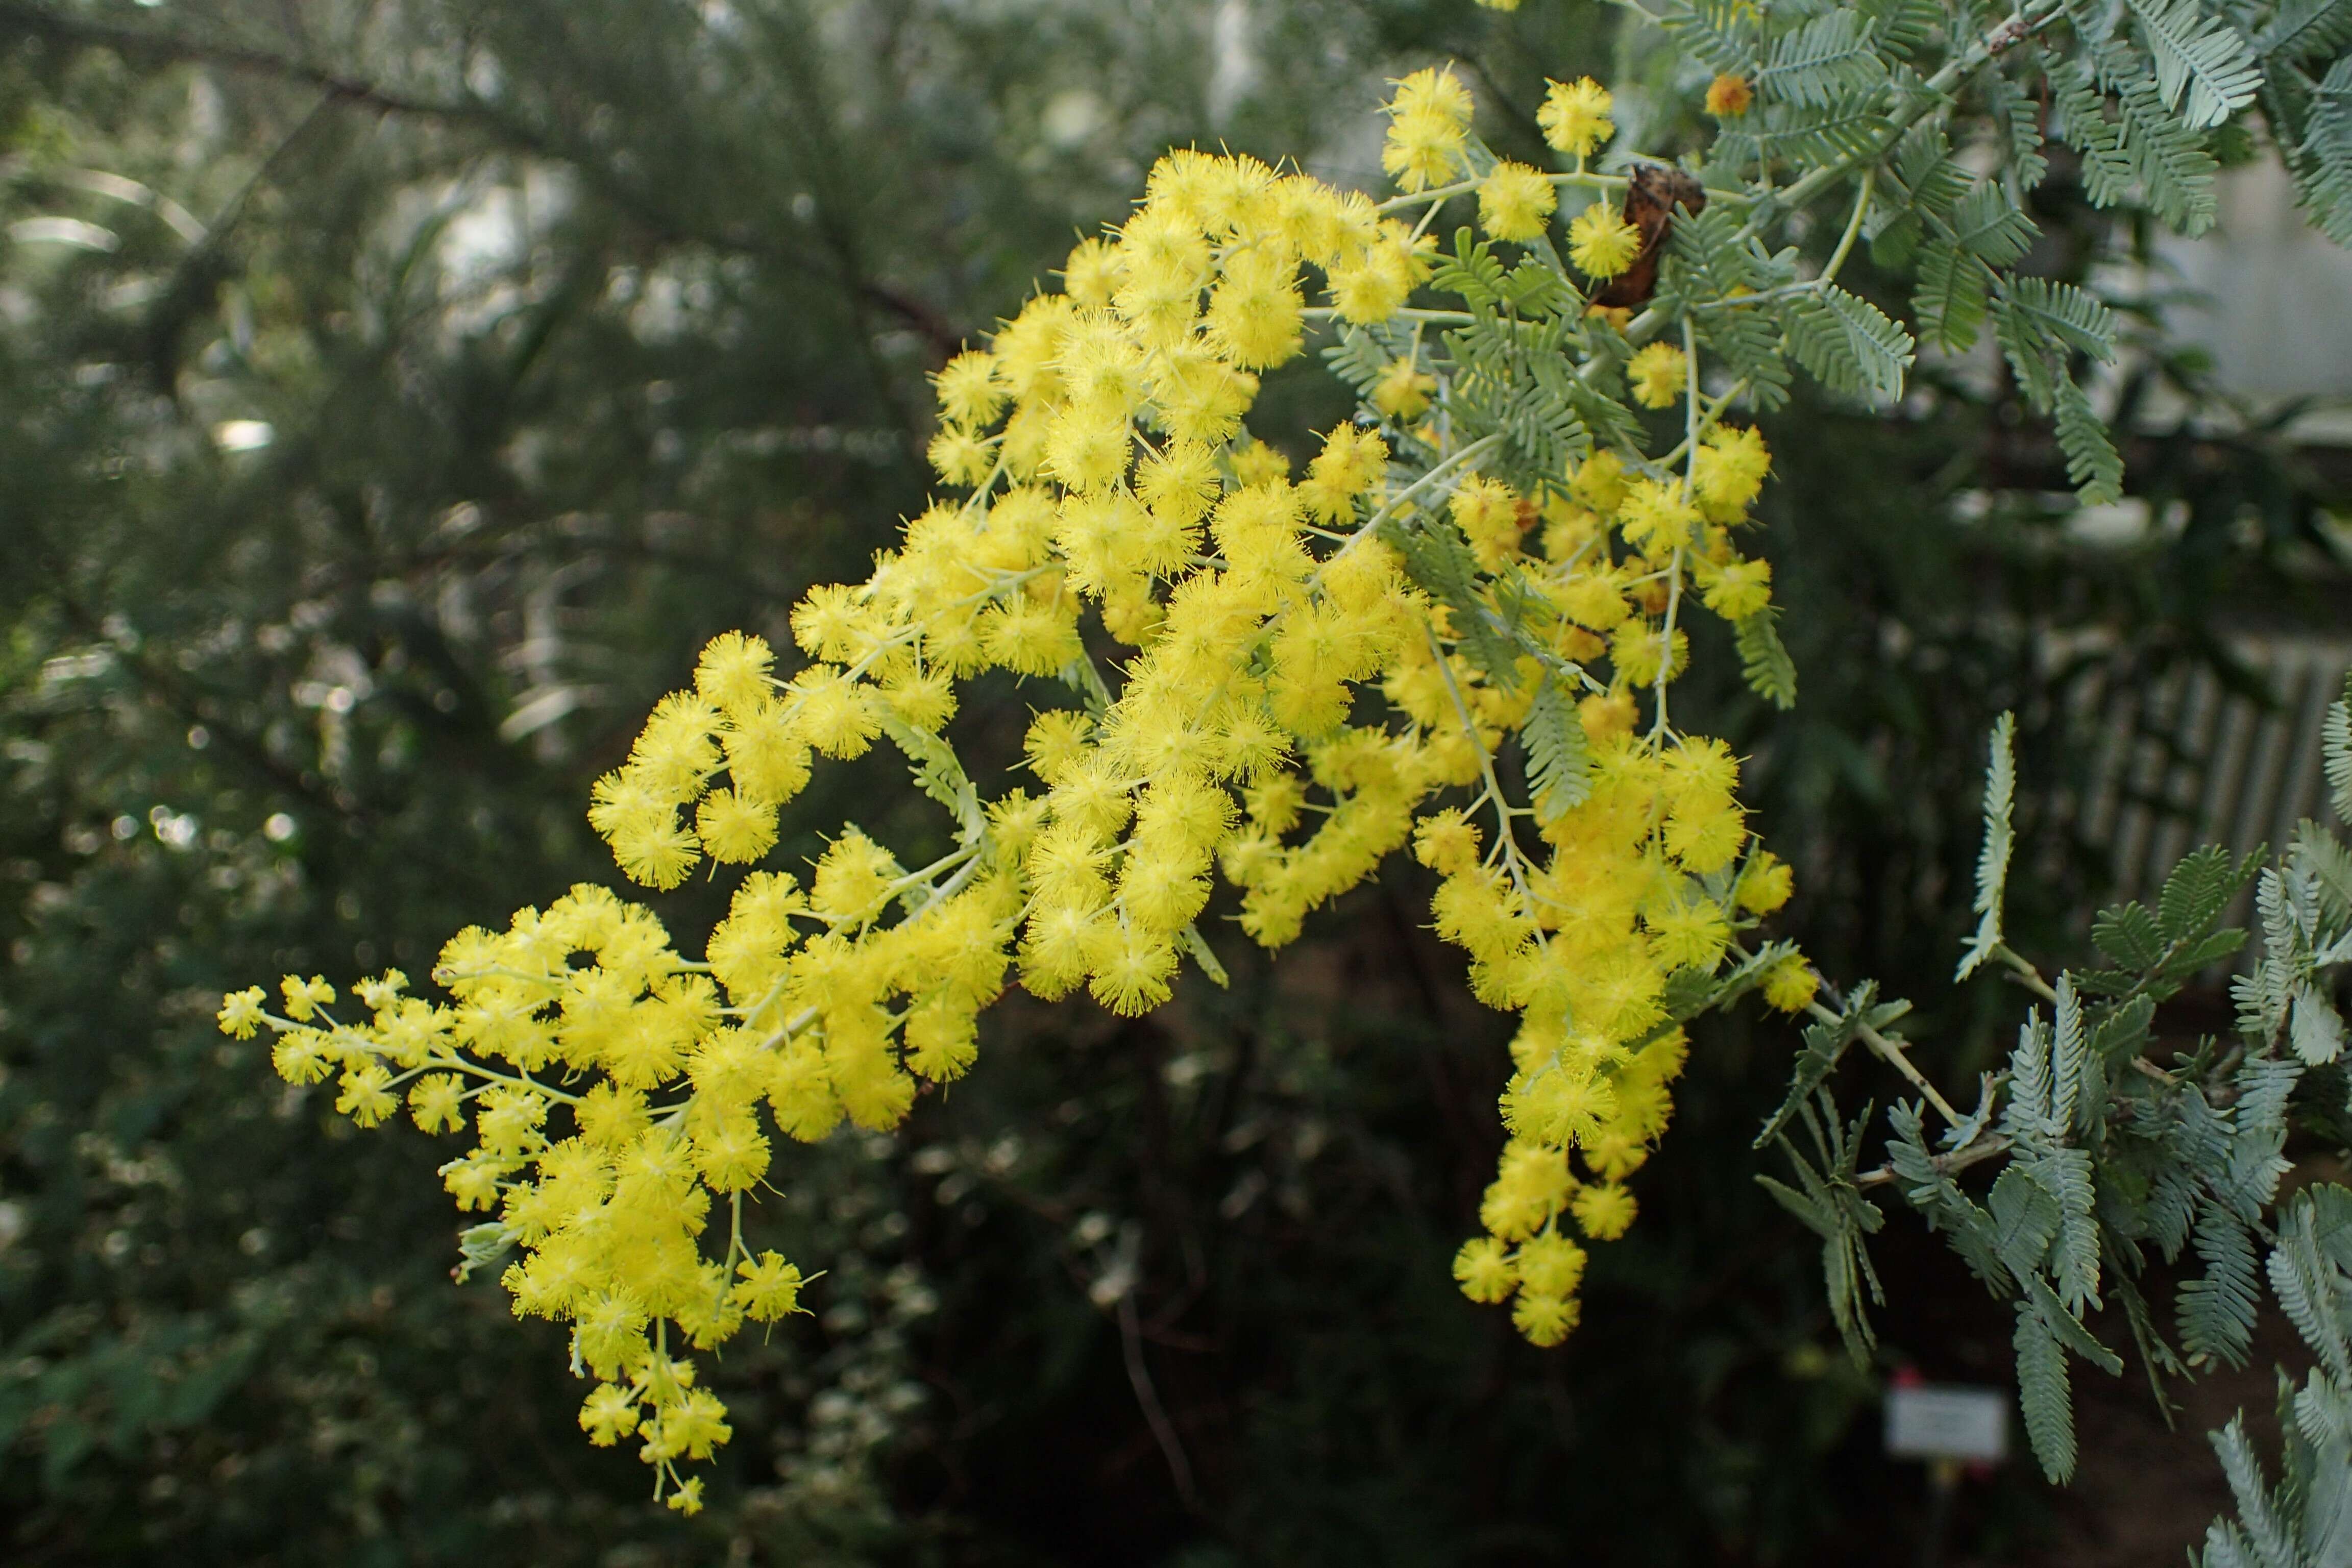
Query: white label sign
point(1933, 1421)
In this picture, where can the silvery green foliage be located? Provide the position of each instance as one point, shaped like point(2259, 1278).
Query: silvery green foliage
point(1902, 100)
point(2108, 1160)
point(1916, 128)
point(2306, 1522)
point(1992, 863)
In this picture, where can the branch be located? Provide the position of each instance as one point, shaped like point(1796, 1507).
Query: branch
point(1889, 1051)
point(2021, 970)
point(1975, 1153)
point(1139, 1377)
point(2030, 18)
point(178, 48)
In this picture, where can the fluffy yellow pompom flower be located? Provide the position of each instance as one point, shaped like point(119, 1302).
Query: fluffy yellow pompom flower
point(1550, 1265)
point(1487, 513)
point(1764, 885)
point(1403, 392)
point(1255, 463)
point(438, 1102)
point(1700, 772)
point(1092, 273)
point(958, 456)
point(608, 1415)
point(1737, 589)
point(1545, 1320)
point(1790, 985)
point(1056, 744)
point(1575, 116)
point(1728, 96)
point(1605, 1211)
point(1351, 462)
point(1374, 286)
point(1446, 842)
point(1658, 373)
point(1728, 468)
point(1642, 655)
point(1690, 935)
point(366, 1097)
point(1254, 311)
point(240, 1013)
point(1604, 717)
point(1653, 517)
point(1561, 1103)
point(1706, 835)
point(1601, 242)
point(305, 997)
point(1516, 202)
point(1599, 482)
point(970, 393)
point(1483, 1269)
point(770, 1289)
point(1088, 451)
point(1432, 91)
point(1177, 482)
point(1134, 975)
point(733, 673)
point(733, 828)
point(1531, 1185)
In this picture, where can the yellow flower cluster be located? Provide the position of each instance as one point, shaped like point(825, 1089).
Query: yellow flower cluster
point(1429, 126)
point(1290, 708)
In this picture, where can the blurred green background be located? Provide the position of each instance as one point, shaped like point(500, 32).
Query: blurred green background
point(393, 396)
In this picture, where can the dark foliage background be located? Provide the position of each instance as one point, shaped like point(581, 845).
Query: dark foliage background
point(582, 332)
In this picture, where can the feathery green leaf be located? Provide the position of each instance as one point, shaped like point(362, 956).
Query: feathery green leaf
point(2204, 67)
point(1848, 344)
point(1771, 673)
point(1993, 859)
point(1560, 757)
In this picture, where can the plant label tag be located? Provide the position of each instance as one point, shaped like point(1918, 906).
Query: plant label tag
point(1932, 1421)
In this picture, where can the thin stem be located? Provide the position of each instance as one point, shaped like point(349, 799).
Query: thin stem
point(451, 1062)
point(1147, 1399)
point(953, 858)
point(1444, 318)
point(1690, 399)
point(1674, 568)
point(2029, 19)
point(1505, 842)
point(512, 1080)
point(1853, 226)
point(2022, 970)
point(1891, 1052)
point(1428, 217)
point(1644, 12)
point(1975, 1154)
point(957, 883)
point(987, 487)
point(1707, 421)
point(1888, 1050)
point(1436, 193)
point(1440, 193)
point(1446, 470)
